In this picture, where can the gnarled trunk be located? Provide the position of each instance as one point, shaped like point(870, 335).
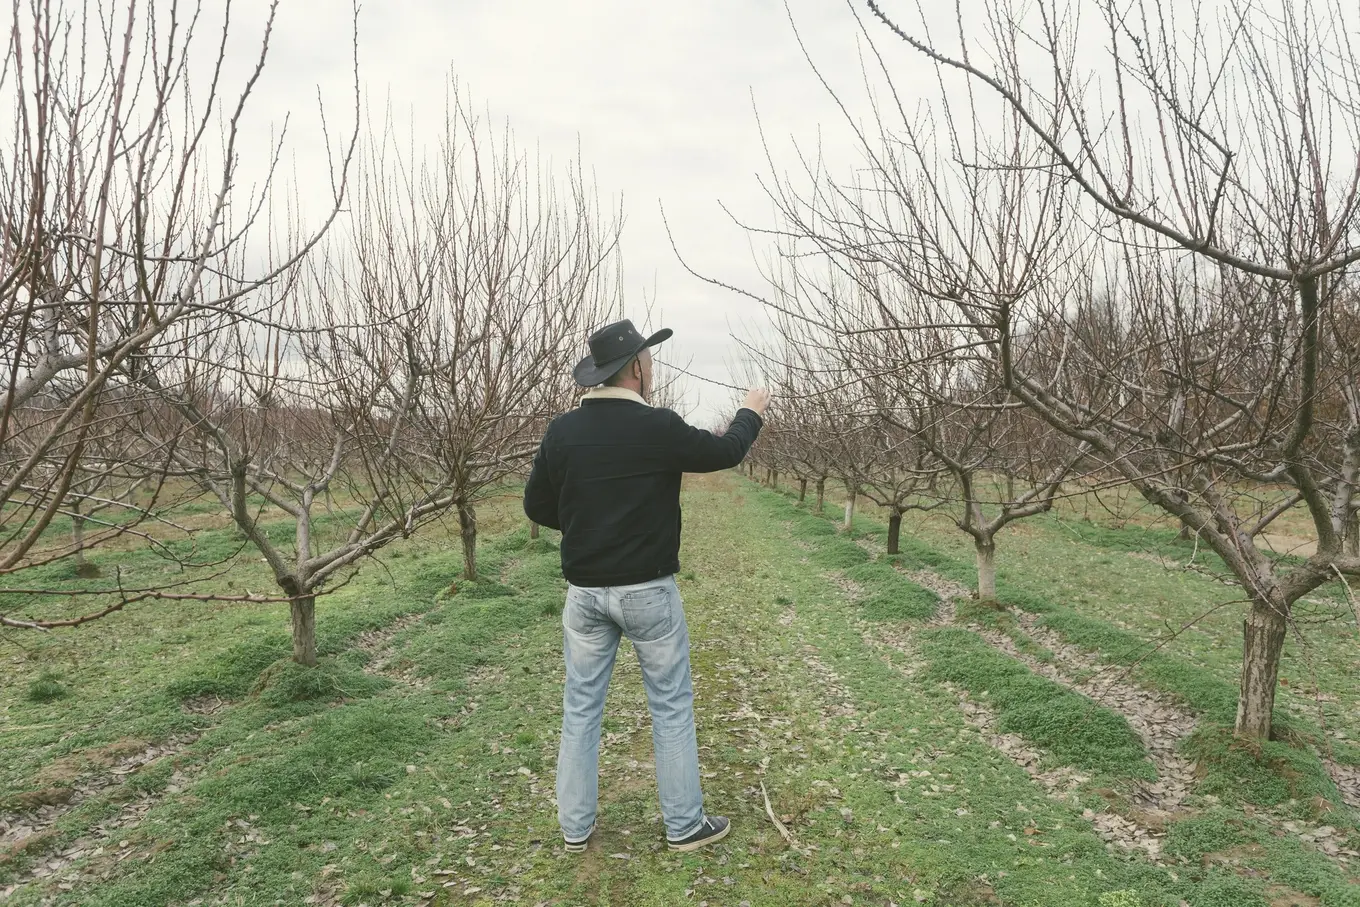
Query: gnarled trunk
point(802, 490)
point(303, 609)
point(467, 523)
point(894, 531)
point(821, 495)
point(1263, 636)
point(986, 569)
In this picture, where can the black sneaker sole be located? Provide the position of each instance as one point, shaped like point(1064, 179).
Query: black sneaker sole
point(688, 846)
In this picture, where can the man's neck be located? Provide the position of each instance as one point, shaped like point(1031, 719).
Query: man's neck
point(614, 393)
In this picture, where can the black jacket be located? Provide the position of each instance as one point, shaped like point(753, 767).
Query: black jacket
point(608, 475)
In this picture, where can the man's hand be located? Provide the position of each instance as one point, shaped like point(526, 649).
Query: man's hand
point(757, 398)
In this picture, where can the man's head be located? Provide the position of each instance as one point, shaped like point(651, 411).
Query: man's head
point(636, 375)
point(619, 357)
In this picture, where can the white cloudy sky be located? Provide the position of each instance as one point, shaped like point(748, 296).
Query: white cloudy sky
point(659, 97)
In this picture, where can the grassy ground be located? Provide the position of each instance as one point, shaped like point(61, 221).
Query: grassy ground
point(416, 766)
point(1111, 559)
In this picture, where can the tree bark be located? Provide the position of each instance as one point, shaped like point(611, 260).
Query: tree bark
point(467, 522)
point(986, 568)
point(533, 530)
point(1263, 634)
point(850, 512)
point(774, 479)
point(821, 495)
point(1185, 532)
point(304, 630)
point(84, 569)
point(894, 531)
point(1353, 535)
point(802, 490)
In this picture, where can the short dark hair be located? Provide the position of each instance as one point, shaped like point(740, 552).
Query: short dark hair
point(620, 376)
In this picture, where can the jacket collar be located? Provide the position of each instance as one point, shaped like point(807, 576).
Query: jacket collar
point(614, 393)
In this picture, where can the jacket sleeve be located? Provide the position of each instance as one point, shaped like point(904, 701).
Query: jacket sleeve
point(540, 493)
point(695, 450)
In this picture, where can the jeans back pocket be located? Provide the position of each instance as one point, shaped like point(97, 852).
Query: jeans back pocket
point(647, 612)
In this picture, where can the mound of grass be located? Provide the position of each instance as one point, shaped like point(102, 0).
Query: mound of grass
point(231, 674)
point(1070, 726)
point(1196, 836)
point(286, 682)
point(838, 554)
point(46, 687)
point(1267, 773)
point(891, 596)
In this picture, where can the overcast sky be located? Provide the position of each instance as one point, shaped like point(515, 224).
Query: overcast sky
point(659, 97)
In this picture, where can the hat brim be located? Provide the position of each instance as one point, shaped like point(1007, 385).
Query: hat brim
point(588, 374)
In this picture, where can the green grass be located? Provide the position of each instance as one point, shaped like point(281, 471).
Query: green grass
point(1078, 578)
point(1071, 727)
point(436, 775)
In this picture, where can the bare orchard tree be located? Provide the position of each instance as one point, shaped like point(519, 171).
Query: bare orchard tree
point(1228, 132)
point(408, 368)
point(121, 191)
point(1145, 249)
point(1004, 463)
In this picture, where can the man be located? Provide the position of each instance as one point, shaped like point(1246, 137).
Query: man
point(608, 475)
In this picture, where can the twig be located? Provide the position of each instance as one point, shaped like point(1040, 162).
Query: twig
point(779, 826)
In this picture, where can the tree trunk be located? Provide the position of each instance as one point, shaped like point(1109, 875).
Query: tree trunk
point(1185, 532)
point(1353, 535)
point(304, 630)
point(821, 495)
point(894, 531)
point(850, 512)
point(467, 522)
point(1010, 487)
point(802, 490)
point(533, 530)
point(986, 568)
point(1263, 634)
point(774, 479)
point(84, 569)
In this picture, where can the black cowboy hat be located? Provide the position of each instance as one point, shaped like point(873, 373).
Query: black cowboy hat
point(611, 347)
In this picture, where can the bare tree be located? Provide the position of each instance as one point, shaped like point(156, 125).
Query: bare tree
point(1231, 136)
point(1146, 250)
point(123, 215)
point(407, 366)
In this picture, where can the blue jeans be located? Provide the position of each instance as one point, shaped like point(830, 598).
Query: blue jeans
point(653, 617)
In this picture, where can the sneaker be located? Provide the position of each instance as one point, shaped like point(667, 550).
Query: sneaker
point(713, 828)
point(578, 846)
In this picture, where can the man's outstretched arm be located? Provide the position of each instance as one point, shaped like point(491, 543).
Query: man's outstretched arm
point(696, 450)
